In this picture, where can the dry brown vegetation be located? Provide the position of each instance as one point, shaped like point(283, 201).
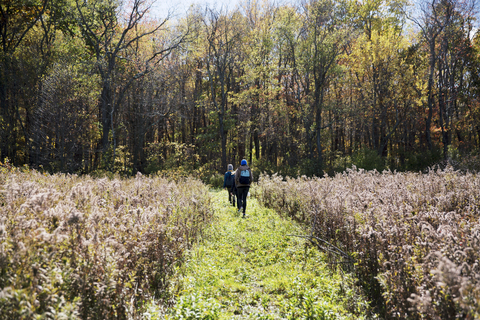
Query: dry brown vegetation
point(413, 239)
point(78, 247)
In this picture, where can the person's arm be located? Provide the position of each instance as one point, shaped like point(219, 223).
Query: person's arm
point(225, 180)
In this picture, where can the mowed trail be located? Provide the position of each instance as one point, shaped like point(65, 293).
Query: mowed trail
point(254, 269)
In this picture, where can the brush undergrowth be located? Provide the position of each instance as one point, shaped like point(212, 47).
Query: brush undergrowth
point(254, 269)
point(412, 239)
point(82, 248)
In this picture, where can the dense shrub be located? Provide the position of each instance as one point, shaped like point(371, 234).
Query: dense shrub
point(368, 159)
point(79, 247)
point(413, 239)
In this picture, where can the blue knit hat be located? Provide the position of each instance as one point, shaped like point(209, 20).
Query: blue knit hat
point(243, 163)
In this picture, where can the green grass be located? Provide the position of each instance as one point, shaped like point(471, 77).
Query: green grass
point(252, 269)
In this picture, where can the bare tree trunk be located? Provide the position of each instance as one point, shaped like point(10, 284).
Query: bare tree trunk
point(430, 93)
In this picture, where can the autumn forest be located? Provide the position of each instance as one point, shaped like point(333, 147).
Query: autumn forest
point(304, 88)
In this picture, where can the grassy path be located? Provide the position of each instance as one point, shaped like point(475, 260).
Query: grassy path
point(250, 269)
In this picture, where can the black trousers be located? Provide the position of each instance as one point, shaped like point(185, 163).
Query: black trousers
point(232, 194)
point(242, 193)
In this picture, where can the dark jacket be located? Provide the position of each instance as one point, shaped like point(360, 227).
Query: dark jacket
point(227, 174)
point(237, 176)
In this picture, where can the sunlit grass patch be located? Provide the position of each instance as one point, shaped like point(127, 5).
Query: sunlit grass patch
point(254, 269)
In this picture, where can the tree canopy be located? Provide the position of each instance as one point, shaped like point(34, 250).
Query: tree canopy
point(304, 88)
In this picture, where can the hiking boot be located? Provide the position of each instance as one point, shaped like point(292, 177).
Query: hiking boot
point(240, 210)
point(244, 216)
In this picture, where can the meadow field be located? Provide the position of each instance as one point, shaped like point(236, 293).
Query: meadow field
point(360, 244)
point(77, 247)
point(412, 239)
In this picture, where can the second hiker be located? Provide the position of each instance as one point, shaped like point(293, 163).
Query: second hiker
point(229, 183)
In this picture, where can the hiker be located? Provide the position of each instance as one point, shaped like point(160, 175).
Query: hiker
point(243, 179)
point(229, 182)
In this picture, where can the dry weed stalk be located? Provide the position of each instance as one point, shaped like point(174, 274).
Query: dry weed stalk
point(415, 237)
point(92, 248)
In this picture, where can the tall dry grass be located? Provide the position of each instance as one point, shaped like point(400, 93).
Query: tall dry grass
point(413, 239)
point(78, 247)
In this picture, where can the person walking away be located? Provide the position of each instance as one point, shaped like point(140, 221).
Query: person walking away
point(243, 179)
point(228, 182)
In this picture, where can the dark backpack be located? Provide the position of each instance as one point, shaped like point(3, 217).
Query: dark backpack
point(244, 177)
point(230, 180)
